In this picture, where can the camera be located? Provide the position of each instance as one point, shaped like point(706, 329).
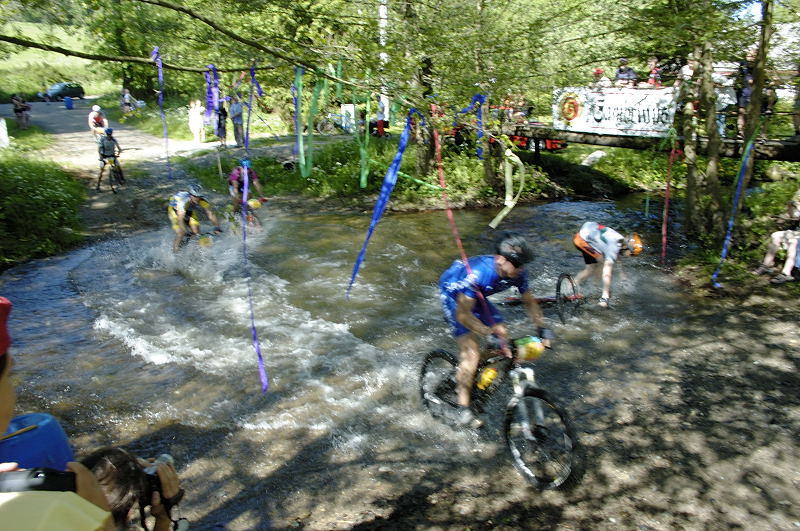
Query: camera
point(37, 479)
point(152, 481)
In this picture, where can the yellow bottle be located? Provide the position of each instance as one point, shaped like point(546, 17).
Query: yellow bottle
point(487, 377)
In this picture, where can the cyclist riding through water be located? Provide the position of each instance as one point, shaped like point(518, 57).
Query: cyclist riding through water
point(107, 148)
point(182, 211)
point(463, 291)
point(236, 184)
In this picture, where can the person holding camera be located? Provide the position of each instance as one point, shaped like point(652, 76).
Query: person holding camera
point(80, 508)
point(129, 481)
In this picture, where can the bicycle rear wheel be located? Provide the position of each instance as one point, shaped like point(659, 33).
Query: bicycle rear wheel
point(567, 300)
point(437, 382)
point(541, 440)
point(325, 127)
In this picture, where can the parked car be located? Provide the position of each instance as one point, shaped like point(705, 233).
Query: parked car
point(60, 90)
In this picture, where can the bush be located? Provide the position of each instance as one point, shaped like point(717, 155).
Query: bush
point(38, 209)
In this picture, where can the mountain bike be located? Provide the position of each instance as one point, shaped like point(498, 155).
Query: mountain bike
point(538, 433)
point(115, 175)
point(567, 299)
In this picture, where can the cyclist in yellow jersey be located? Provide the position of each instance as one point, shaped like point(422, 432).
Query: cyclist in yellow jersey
point(182, 212)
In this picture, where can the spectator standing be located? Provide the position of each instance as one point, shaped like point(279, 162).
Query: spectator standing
point(745, 90)
point(600, 79)
point(21, 109)
point(221, 126)
point(726, 99)
point(237, 118)
point(196, 111)
point(625, 76)
point(654, 72)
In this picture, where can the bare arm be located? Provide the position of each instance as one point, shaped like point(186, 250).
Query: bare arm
point(464, 315)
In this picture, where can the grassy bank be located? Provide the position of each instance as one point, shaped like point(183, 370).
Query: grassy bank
point(38, 202)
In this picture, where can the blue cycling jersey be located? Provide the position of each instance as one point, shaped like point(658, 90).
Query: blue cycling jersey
point(484, 277)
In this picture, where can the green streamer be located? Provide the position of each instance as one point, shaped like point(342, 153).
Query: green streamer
point(305, 169)
point(298, 86)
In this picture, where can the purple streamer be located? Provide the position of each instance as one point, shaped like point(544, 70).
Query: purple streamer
point(262, 372)
point(156, 56)
point(389, 180)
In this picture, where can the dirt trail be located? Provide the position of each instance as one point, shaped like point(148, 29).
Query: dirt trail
point(701, 432)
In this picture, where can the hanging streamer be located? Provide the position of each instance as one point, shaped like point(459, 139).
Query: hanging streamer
point(509, 162)
point(297, 96)
point(362, 145)
point(389, 180)
point(478, 101)
point(212, 94)
point(742, 170)
point(156, 57)
point(320, 87)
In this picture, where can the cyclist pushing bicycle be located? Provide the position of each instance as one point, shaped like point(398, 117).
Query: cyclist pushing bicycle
point(463, 290)
point(108, 149)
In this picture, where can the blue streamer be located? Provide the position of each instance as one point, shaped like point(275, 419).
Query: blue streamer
point(477, 101)
point(386, 190)
point(212, 92)
point(156, 57)
point(739, 185)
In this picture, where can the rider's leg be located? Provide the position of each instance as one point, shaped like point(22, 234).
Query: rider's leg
point(589, 270)
point(791, 255)
point(469, 356)
point(100, 175)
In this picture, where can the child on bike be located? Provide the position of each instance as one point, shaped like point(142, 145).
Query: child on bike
point(596, 242)
point(463, 291)
point(108, 148)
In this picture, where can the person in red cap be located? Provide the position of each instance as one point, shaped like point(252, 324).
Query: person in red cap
point(58, 510)
point(600, 79)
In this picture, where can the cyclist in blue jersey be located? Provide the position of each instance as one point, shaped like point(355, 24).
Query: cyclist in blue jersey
point(182, 212)
point(463, 292)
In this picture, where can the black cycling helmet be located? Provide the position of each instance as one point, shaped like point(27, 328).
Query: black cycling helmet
point(514, 248)
point(109, 131)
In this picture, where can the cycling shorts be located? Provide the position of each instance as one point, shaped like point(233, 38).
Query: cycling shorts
point(190, 218)
point(483, 310)
point(590, 254)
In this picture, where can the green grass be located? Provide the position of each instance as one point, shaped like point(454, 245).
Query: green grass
point(30, 139)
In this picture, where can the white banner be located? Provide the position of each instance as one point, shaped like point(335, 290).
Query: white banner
point(614, 111)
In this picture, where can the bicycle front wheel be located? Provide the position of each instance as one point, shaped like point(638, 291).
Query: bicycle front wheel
point(437, 382)
point(567, 299)
point(116, 173)
point(541, 440)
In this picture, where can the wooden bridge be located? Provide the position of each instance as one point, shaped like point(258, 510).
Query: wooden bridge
point(786, 149)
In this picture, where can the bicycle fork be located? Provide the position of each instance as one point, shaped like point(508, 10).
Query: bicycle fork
point(521, 378)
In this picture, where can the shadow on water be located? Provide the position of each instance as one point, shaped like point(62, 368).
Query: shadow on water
point(685, 408)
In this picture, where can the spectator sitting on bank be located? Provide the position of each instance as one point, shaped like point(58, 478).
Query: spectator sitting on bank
point(600, 80)
point(783, 239)
point(86, 508)
point(654, 75)
point(626, 76)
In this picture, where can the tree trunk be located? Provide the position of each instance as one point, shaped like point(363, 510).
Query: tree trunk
point(714, 218)
point(692, 217)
